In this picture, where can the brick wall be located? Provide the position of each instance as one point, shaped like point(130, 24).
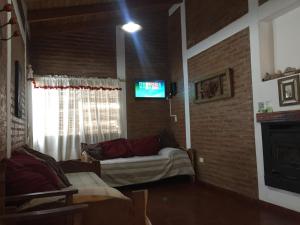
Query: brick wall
point(92, 52)
point(18, 125)
point(205, 18)
point(175, 66)
point(222, 131)
point(147, 58)
point(3, 109)
point(89, 52)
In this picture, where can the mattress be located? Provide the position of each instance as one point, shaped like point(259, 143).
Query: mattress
point(169, 162)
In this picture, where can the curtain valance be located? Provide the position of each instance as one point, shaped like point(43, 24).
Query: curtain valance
point(58, 82)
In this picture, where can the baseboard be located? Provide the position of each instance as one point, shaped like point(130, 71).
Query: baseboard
point(278, 208)
point(256, 201)
point(227, 192)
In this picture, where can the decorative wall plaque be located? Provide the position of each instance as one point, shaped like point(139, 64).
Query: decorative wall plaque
point(289, 91)
point(214, 87)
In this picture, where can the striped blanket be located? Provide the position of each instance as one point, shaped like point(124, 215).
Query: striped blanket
point(142, 169)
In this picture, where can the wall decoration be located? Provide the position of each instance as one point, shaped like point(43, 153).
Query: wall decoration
point(289, 91)
point(29, 73)
point(214, 87)
point(287, 72)
point(19, 85)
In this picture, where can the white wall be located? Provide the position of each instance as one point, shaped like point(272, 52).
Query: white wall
point(266, 38)
point(284, 54)
point(262, 91)
point(286, 30)
point(121, 74)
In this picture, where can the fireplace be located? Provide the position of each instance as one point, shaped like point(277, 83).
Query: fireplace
point(281, 148)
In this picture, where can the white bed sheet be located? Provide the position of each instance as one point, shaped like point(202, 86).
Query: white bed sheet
point(142, 169)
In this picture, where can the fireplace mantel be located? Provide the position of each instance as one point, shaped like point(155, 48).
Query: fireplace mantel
point(282, 116)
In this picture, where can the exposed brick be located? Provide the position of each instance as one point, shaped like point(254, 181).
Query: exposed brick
point(222, 131)
point(147, 58)
point(205, 18)
point(89, 52)
point(3, 71)
point(18, 125)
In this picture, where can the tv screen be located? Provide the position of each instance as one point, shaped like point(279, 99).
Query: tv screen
point(150, 89)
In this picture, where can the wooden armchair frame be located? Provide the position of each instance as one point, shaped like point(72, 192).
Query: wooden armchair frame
point(10, 216)
point(27, 197)
point(132, 209)
point(72, 213)
point(76, 166)
point(137, 202)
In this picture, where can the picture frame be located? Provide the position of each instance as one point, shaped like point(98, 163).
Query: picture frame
point(289, 91)
point(215, 86)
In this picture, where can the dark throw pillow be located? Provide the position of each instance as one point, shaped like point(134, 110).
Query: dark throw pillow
point(26, 174)
point(145, 146)
point(167, 139)
point(117, 148)
point(51, 162)
point(93, 150)
point(22, 180)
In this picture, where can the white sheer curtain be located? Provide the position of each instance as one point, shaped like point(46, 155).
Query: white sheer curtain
point(68, 111)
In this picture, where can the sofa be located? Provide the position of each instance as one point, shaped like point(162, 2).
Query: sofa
point(145, 160)
point(49, 181)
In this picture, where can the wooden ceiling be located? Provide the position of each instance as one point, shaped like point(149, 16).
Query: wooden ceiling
point(46, 16)
point(48, 4)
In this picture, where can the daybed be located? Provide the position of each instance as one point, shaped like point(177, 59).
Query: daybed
point(169, 162)
point(106, 205)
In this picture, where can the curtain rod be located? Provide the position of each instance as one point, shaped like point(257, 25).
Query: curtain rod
point(78, 77)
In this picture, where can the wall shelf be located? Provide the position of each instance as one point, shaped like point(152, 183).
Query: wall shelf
point(282, 116)
point(281, 75)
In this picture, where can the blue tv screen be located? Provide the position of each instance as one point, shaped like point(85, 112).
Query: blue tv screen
point(150, 89)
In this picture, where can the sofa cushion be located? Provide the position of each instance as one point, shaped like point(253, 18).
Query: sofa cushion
point(145, 146)
point(92, 188)
point(117, 148)
point(167, 140)
point(25, 176)
point(51, 163)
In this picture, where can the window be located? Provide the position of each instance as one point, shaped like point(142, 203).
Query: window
point(68, 111)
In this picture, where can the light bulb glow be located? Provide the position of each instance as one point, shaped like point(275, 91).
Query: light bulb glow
point(131, 27)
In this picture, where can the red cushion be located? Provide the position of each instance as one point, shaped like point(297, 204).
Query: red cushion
point(117, 148)
point(145, 146)
point(23, 180)
point(27, 174)
point(36, 165)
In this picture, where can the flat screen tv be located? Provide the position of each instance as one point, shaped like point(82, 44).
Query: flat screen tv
point(150, 89)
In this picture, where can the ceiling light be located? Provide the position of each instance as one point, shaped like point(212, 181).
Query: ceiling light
point(131, 27)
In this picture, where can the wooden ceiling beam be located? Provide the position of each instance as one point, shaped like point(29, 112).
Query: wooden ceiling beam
point(104, 20)
point(65, 12)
